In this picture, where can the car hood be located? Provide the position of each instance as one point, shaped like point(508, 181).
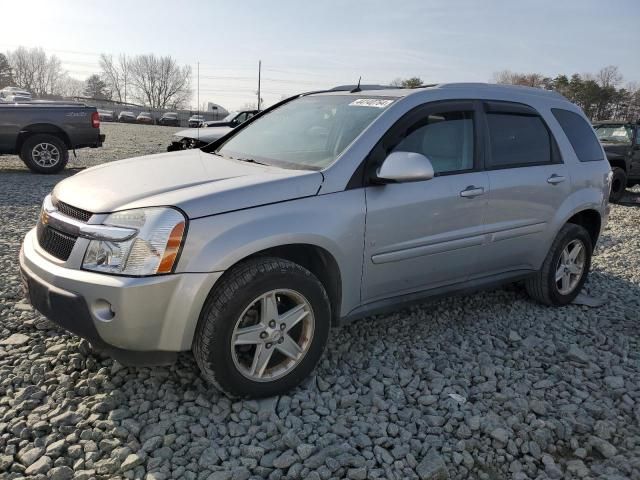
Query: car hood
point(207, 135)
point(199, 183)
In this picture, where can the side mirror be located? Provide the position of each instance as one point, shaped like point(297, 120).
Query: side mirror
point(405, 167)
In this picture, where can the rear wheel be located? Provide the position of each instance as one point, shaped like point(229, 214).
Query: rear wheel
point(565, 268)
point(618, 184)
point(44, 153)
point(263, 329)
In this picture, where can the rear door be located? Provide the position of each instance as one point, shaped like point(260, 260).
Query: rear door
point(427, 234)
point(528, 183)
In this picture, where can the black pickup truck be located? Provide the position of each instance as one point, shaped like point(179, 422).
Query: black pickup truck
point(42, 133)
point(621, 143)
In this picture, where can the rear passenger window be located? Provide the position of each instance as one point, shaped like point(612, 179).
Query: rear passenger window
point(580, 134)
point(446, 139)
point(518, 140)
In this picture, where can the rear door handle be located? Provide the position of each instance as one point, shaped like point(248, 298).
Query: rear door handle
point(471, 191)
point(555, 179)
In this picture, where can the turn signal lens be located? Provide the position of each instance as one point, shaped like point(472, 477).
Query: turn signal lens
point(172, 249)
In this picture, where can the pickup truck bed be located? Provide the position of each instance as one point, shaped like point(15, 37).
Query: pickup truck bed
point(42, 133)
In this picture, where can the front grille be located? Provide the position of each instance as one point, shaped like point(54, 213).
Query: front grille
point(73, 212)
point(54, 242)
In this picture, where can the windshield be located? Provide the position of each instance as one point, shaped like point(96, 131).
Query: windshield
point(307, 133)
point(229, 117)
point(613, 133)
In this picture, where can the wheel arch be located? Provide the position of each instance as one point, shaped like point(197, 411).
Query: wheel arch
point(318, 260)
point(618, 162)
point(38, 128)
point(591, 220)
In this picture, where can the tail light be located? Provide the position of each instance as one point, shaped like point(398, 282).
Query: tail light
point(95, 120)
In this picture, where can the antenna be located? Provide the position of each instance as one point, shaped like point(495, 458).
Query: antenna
point(357, 89)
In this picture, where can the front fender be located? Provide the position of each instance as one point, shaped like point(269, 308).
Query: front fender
point(334, 222)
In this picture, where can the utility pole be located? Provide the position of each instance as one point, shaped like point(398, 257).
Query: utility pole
point(198, 94)
point(259, 71)
point(125, 68)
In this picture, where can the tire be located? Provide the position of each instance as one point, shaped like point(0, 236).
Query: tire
point(543, 286)
point(229, 305)
point(33, 150)
point(618, 184)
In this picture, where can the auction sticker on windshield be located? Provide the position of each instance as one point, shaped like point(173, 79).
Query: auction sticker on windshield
point(371, 102)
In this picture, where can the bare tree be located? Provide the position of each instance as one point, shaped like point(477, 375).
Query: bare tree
point(33, 70)
point(159, 82)
point(608, 76)
point(71, 87)
point(115, 74)
point(508, 77)
point(413, 82)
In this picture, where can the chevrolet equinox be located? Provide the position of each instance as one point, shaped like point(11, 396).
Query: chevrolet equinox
point(327, 207)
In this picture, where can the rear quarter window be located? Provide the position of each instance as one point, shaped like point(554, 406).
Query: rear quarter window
point(580, 134)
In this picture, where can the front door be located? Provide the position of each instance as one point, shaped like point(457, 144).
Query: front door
point(427, 234)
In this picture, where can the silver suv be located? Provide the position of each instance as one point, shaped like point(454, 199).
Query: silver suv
point(325, 208)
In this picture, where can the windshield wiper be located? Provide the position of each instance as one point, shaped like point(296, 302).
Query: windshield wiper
point(249, 160)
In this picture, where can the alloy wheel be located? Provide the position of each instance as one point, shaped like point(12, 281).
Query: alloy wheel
point(45, 154)
point(272, 335)
point(570, 266)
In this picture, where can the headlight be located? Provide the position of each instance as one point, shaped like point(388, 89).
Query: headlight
point(153, 250)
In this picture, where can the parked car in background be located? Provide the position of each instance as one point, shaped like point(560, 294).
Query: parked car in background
point(42, 133)
point(126, 117)
point(196, 137)
point(105, 115)
point(144, 117)
point(195, 121)
point(15, 94)
point(169, 119)
point(621, 142)
point(232, 120)
point(328, 207)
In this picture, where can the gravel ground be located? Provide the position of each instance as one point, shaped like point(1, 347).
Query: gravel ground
point(488, 386)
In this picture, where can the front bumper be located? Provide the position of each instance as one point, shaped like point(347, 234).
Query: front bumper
point(150, 315)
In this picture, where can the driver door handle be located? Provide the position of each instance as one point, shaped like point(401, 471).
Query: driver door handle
point(555, 179)
point(471, 191)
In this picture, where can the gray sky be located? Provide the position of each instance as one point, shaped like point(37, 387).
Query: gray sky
point(309, 45)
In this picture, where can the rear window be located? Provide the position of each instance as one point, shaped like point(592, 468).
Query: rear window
point(518, 140)
point(580, 134)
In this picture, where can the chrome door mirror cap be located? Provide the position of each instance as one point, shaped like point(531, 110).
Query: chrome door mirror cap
point(405, 167)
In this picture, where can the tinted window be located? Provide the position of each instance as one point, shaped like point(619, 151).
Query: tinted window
point(444, 138)
point(580, 134)
point(518, 140)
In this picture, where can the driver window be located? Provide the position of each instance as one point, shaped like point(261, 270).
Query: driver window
point(240, 118)
point(445, 138)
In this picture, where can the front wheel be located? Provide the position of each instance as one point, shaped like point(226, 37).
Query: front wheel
point(263, 328)
point(44, 153)
point(618, 184)
point(565, 268)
